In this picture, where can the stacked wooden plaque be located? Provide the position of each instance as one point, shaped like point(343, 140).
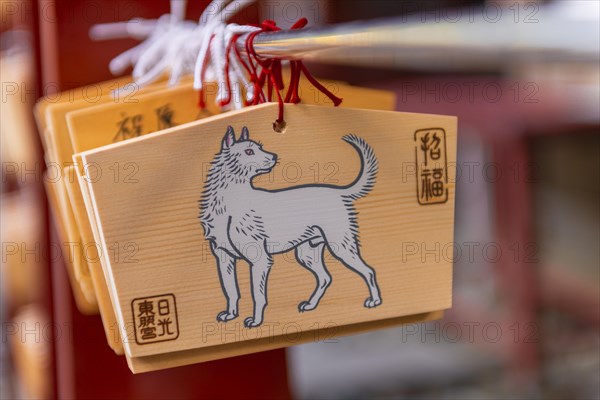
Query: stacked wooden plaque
point(201, 234)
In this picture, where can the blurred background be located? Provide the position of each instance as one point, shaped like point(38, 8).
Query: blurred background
point(525, 322)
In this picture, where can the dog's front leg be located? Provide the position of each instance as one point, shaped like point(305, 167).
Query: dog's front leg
point(259, 274)
point(228, 278)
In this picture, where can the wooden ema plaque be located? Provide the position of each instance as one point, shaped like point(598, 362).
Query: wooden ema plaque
point(103, 124)
point(232, 238)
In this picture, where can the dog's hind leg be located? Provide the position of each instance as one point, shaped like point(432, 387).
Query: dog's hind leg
point(259, 273)
point(311, 258)
point(345, 248)
point(228, 278)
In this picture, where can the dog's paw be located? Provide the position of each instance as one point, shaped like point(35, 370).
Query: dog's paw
point(225, 316)
point(251, 323)
point(306, 306)
point(370, 302)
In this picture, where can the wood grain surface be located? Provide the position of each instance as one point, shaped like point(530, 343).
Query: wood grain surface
point(156, 211)
point(95, 126)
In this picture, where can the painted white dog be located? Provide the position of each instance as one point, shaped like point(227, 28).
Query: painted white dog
point(239, 219)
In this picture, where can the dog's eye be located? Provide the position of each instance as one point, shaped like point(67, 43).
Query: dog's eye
point(250, 152)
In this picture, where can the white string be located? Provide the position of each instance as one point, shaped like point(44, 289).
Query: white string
point(211, 24)
point(178, 9)
point(236, 71)
point(217, 53)
point(205, 41)
point(178, 47)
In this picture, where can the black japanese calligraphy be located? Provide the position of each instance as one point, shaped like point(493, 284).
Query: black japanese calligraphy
point(155, 319)
point(164, 117)
point(432, 169)
point(129, 127)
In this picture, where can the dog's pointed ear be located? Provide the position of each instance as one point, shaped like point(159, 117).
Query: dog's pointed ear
point(245, 134)
point(228, 139)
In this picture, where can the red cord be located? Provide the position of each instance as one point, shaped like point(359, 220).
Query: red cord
point(247, 68)
point(270, 72)
point(336, 100)
point(201, 102)
point(230, 45)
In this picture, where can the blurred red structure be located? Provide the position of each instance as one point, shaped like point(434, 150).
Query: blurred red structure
point(84, 365)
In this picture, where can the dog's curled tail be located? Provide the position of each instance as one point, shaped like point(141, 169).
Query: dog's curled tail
point(368, 169)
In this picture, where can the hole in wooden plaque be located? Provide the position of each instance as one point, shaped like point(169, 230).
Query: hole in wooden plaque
point(279, 126)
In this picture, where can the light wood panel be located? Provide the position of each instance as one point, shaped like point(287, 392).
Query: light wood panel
point(50, 115)
point(157, 212)
point(176, 359)
point(93, 127)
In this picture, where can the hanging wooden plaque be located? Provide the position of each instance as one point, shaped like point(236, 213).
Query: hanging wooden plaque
point(330, 224)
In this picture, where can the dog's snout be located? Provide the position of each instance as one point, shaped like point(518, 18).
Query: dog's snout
point(274, 156)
